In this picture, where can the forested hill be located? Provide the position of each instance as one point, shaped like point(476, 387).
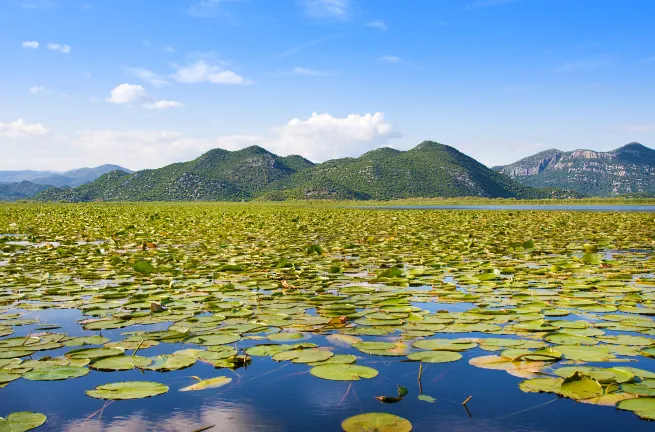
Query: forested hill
point(428, 170)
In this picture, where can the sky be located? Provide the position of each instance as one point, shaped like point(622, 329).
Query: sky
point(145, 83)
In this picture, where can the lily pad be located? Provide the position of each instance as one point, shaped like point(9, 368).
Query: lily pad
point(55, 373)
point(127, 390)
point(343, 372)
point(208, 383)
point(376, 422)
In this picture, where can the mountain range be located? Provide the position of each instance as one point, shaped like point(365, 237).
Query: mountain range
point(627, 170)
point(428, 170)
point(72, 178)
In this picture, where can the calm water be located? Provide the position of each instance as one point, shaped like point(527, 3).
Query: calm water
point(589, 208)
point(271, 396)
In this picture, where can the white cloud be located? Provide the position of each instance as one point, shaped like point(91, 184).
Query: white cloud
point(36, 90)
point(149, 76)
point(30, 44)
point(127, 94)
point(130, 94)
point(323, 136)
point(302, 46)
point(378, 24)
point(389, 59)
point(20, 129)
point(59, 47)
point(318, 138)
point(308, 72)
point(336, 9)
point(201, 71)
point(162, 104)
point(209, 8)
point(169, 49)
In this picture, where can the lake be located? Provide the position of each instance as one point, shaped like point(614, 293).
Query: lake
point(487, 308)
point(581, 208)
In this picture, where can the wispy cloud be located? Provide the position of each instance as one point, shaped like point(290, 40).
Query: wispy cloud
point(209, 8)
point(378, 24)
point(65, 49)
point(37, 4)
point(295, 49)
point(169, 49)
point(389, 59)
point(308, 72)
point(36, 90)
point(21, 129)
point(197, 72)
point(30, 44)
point(327, 9)
point(490, 3)
point(648, 60)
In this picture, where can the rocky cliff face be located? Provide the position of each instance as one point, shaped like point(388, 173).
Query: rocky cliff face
point(628, 169)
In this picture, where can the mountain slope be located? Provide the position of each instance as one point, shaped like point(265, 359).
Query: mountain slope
point(216, 175)
point(628, 169)
point(20, 190)
point(72, 178)
point(428, 170)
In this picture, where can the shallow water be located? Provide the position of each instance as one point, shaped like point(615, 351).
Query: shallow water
point(582, 208)
point(272, 396)
point(282, 396)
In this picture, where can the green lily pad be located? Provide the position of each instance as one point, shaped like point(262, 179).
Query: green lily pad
point(376, 422)
point(434, 356)
point(121, 363)
point(343, 372)
point(22, 421)
point(55, 373)
point(169, 362)
point(581, 386)
point(310, 355)
point(127, 390)
point(644, 407)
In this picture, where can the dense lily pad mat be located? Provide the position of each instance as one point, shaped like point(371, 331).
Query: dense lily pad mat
point(536, 294)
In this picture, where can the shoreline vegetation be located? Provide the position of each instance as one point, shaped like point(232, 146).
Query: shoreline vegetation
point(590, 201)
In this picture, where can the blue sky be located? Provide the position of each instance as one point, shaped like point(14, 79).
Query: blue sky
point(149, 82)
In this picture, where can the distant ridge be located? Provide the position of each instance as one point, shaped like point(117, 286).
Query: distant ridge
point(629, 169)
point(72, 178)
point(428, 170)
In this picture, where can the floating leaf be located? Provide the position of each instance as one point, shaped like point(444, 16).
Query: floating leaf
point(22, 421)
point(208, 383)
point(127, 390)
point(378, 422)
point(55, 373)
point(343, 372)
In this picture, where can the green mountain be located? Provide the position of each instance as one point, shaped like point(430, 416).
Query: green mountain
point(428, 170)
point(218, 175)
point(627, 170)
point(20, 190)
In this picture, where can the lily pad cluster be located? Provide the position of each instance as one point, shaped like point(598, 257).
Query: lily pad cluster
point(530, 293)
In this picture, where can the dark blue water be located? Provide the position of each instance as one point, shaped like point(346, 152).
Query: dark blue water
point(583, 208)
point(271, 396)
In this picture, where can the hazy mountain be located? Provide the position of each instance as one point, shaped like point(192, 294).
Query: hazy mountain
point(20, 190)
point(627, 170)
point(428, 170)
point(70, 178)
